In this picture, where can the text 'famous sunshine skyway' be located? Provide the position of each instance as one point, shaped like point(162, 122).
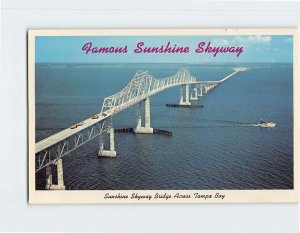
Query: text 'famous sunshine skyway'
point(168, 48)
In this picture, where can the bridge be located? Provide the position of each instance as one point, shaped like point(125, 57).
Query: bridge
point(51, 150)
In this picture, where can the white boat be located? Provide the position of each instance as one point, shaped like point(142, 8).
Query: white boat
point(266, 124)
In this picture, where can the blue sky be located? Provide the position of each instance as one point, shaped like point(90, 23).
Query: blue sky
point(68, 49)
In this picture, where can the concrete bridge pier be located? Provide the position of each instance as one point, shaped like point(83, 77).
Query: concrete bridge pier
point(60, 177)
point(181, 94)
point(195, 97)
point(111, 152)
point(139, 115)
point(200, 91)
point(184, 101)
point(48, 177)
point(147, 128)
point(147, 114)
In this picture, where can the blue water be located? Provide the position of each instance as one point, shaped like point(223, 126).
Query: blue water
point(214, 147)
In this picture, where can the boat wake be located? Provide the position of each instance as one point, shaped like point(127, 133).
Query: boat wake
point(210, 126)
point(205, 123)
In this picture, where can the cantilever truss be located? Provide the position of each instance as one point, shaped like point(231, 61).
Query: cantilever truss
point(142, 86)
point(139, 88)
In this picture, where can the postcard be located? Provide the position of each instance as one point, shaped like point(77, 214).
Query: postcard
point(163, 115)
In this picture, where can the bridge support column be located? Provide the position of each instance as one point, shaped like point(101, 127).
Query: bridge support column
point(187, 95)
point(111, 152)
point(60, 177)
point(147, 128)
point(48, 177)
point(181, 94)
point(139, 115)
point(147, 114)
point(200, 92)
point(195, 97)
point(186, 100)
point(101, 146)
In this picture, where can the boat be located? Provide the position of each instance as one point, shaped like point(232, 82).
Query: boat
point(266, 124)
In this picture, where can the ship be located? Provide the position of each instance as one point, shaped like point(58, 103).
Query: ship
point(266, 124)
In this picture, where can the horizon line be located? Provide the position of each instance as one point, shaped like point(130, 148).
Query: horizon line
point(196, 63)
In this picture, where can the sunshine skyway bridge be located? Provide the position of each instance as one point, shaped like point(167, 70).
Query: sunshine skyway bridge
point(51, 150)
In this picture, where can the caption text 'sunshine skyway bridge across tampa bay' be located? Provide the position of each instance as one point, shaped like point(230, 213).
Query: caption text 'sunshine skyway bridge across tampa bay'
point(49, 151)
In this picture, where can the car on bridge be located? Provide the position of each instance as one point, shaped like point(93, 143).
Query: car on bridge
point(76, 125)
point(95, 117)
point(73, 126)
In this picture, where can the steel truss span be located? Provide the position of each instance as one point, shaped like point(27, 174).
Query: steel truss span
point(143, 85)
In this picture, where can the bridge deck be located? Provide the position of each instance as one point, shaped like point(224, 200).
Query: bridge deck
point(55, 138)
point(47, 142)
point(64, 134)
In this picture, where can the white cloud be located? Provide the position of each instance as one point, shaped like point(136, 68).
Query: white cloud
point(289, 40)
point(253, 39)
point(259, 39)
point(221, 42)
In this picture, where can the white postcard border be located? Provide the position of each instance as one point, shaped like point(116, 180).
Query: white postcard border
point(98, 196)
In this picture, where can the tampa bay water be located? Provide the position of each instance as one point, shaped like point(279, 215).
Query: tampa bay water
point(214, 147)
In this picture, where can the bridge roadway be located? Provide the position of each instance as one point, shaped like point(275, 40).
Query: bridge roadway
point(47, 142)
point(66, 133)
